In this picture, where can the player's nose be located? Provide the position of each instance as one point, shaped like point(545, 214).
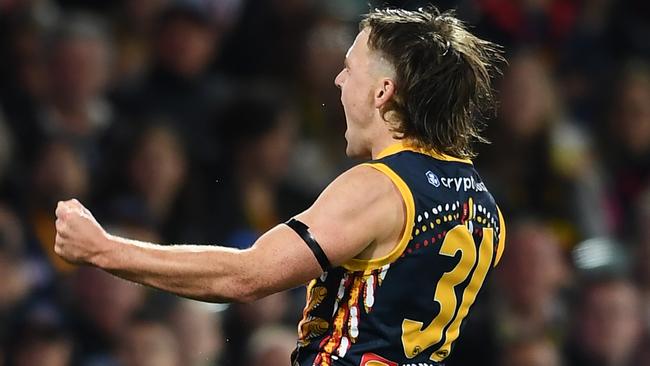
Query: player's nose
point(338, 80)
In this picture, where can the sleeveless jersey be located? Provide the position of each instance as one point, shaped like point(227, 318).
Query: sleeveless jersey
point(407, 308)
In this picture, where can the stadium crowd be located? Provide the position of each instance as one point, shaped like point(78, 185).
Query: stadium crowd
point(210, 121)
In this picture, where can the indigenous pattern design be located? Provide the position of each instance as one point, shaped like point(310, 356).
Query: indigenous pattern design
point(408, 307)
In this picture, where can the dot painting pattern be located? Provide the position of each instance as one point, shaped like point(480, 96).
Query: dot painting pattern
point(427, 223)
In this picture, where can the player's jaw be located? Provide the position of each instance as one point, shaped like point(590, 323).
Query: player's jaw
point(359, 145)
point(352, 150)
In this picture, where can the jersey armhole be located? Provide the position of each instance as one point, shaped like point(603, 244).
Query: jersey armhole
point(407, 197)
point(502, 238)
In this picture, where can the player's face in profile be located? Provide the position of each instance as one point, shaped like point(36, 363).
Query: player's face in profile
point(356, 83)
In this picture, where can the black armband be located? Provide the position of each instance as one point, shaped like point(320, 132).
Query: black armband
point(303, 231)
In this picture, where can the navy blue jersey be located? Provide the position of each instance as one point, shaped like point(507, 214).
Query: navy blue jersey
point(408, 307)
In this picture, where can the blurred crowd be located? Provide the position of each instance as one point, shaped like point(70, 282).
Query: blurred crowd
point(210, 121)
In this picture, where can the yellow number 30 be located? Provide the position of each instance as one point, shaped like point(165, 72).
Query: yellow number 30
point(415, 338)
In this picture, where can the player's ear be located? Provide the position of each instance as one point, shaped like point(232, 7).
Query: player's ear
point(384, 92)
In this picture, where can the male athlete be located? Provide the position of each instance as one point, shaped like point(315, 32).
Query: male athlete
point(395, 250)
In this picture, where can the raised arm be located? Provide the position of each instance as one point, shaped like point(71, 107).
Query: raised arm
point(361, 211)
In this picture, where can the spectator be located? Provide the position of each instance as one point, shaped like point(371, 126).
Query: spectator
point(180, 87)
point(271, 346)
point(259, 132)
point(148, 342)
point(17, 279)
point(157, 186)
point(12, 238)
point(534, 306)
point(42, 345)
point(243, 320)
point(532, 352)
point(22, 71)
point(170, 117)
point(608, 324)
point(100, 307)
point(26, 86)
point(585, 61)
point(628, 143)
point(58, 174)
point(75, 105)
point(197, 327)
point(540, 161)
point(133, 38)
point(158, 170)
point(322, 146)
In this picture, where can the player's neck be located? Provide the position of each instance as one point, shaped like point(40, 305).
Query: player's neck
point(382, 142)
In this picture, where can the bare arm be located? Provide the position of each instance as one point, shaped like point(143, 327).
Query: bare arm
point(358, 208)
point(210, 273)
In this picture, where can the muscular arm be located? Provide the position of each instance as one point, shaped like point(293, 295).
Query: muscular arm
point(212, 273)
point(359, 208)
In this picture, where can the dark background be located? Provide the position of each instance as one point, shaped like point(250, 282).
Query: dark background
point(211, 121)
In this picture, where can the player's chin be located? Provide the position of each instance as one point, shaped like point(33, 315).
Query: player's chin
point(350, 149)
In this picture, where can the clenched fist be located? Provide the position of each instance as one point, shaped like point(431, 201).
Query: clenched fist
point(79, 238)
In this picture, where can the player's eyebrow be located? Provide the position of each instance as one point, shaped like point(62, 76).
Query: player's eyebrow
point(346, 63)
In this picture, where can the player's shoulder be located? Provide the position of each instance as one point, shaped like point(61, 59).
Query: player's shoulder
point(362, 196)
point(359, 207)
point(364, 181)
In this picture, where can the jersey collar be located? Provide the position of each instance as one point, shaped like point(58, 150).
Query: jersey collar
point(403, 146)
